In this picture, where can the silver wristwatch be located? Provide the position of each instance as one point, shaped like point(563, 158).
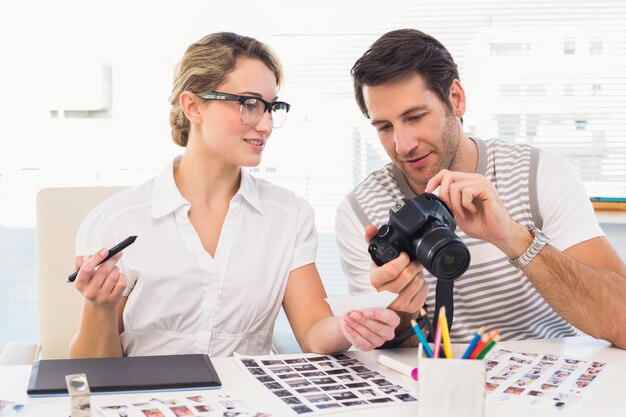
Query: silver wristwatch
point(540, 240)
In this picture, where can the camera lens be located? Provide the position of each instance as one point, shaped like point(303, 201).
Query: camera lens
point(451, 261)
point(442, 253)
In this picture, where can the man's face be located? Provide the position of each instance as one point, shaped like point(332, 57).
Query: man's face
point(419, 133)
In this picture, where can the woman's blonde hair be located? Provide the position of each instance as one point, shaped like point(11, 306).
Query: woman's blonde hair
point(206, 64)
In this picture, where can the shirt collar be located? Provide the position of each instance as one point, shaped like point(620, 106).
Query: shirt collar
point(166, 197)
point(249, 191)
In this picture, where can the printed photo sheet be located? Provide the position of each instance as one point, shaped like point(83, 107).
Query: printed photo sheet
point(324, 383)
point(205, 405)
point(543, 381)
point(10, 408)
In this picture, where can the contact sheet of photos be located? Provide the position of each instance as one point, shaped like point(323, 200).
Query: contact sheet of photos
point(323, 383)
point(205, 405)
point(542, 381)
point(10, 408)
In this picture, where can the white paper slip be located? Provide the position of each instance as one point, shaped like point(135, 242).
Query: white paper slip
point(342, 305)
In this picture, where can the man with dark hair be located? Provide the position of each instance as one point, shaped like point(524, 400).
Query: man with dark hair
point(540, 266)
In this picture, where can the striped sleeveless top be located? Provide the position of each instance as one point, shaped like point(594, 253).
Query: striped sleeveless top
point(491, 293)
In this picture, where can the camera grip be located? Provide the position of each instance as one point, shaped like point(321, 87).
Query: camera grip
point(382, 251)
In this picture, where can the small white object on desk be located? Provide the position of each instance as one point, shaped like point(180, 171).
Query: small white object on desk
point(398, 366)
point(80, 394)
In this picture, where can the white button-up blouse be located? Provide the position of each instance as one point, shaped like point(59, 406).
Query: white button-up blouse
point(180, 298)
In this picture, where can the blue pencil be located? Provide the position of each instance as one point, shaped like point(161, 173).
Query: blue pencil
point(422, 338)
point(473, 343)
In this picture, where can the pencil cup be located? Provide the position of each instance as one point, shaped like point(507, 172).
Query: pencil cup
point(451, 387)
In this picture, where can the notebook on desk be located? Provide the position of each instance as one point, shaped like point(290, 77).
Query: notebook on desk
point(608, 203)
point(132, 374)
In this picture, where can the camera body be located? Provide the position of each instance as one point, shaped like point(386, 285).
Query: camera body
point(424, 228)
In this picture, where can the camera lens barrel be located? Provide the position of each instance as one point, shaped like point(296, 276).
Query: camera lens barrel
point(442, 253)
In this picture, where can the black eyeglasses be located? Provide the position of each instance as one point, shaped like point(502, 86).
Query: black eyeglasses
point(252, 108)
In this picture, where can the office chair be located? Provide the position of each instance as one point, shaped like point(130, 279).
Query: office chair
point(18, 353)
point(59, 214)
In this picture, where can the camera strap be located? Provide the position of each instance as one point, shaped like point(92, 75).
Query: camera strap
point(443, 297)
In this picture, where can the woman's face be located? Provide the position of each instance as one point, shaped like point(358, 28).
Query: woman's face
point(222, 130)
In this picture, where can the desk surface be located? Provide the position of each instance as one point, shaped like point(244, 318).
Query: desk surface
point(607, 400)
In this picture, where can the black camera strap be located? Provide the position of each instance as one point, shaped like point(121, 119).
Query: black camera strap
point(443, 297)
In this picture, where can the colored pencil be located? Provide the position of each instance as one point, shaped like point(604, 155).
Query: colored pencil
point(429, 326)
point(487, 348)
point(473, 343)
point(437, 341)
point(422, 338)
point(445, 332)
point(479, 346)
point(484, 341)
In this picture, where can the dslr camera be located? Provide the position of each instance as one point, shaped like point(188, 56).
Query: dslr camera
point(424, 228)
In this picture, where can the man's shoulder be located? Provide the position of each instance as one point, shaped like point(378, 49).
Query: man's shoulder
point(503, 146)
point(510, 158)
point(376, 180)
point(374, 196)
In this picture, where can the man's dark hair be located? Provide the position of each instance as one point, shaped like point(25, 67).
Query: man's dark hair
point(399, 53)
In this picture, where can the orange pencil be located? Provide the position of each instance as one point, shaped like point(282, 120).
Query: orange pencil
point(487, 348)
point(484, 341)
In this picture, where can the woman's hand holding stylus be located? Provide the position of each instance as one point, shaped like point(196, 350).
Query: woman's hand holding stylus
point(103, 285)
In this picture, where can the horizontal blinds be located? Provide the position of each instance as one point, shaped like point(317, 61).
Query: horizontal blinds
point(547, 73)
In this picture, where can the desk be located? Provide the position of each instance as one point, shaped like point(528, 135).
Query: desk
point(609, 398)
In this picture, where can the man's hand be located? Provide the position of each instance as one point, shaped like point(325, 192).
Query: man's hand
point(479, 212)
point(402, 277)
point(369, 328)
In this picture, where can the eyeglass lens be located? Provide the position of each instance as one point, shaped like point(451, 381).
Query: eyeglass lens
point(252, 111)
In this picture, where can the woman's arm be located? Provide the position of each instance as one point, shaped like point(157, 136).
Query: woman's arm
point(316, 329)
point(101, 322)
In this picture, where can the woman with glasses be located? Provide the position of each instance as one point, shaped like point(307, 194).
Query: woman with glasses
point(217, 251)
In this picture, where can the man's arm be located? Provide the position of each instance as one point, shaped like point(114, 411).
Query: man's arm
point(585, 284)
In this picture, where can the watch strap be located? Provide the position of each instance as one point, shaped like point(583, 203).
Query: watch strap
point(539, 242)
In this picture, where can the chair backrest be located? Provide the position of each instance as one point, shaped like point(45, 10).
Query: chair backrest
point(59, 214)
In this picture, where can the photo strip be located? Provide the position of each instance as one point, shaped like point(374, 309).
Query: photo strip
point(543, 381)
point(200, 405)
point(324, 383)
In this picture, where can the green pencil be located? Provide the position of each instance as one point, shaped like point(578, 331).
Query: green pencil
point(487, 348)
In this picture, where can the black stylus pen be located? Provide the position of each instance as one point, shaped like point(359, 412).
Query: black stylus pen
point(112, 252)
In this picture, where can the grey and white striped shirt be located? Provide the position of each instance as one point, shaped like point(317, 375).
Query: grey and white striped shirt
point(492, 293)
